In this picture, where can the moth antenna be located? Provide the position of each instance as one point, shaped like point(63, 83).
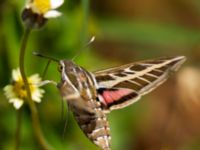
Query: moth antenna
point(86, 45)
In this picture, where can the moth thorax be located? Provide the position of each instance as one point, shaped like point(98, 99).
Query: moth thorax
point(75, 78)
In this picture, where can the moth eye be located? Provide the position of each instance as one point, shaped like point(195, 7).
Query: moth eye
point(60, 68)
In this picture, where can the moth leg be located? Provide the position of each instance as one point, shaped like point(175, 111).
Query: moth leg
point(46, 68)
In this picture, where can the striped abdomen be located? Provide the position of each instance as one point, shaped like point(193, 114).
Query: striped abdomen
point(94, 124)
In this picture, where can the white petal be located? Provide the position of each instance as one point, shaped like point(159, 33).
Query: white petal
point(56, 3)
point(52, 14)
point(37, 95)
point(17, 102)
point(16, 74)
point(28, 3)
point(35, 79)
point(9, 91)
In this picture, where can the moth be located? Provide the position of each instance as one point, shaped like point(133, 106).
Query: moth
point(91, 96)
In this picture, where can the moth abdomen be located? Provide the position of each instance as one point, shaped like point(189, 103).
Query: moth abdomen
point(96, 128)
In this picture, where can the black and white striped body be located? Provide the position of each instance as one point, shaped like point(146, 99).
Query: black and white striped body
point(92, 95)
point(78, 87)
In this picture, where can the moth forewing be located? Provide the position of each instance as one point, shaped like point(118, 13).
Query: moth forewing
point(172, 66)
point(110, 77)
point(136, 79)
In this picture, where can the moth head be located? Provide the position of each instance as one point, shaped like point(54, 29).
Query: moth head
point(72, 77)
point(68, 70)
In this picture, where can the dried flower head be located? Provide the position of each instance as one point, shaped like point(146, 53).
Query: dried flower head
point(16, 92)
point(37, 12)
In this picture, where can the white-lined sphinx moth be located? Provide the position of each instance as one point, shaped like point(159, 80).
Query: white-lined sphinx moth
point(92, 95)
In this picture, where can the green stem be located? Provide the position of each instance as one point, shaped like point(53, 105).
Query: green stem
point(31, 104)
point(18, 129)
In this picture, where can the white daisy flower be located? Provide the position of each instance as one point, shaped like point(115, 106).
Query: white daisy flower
point(45, 7)
point(36, 12)
point(16, 92)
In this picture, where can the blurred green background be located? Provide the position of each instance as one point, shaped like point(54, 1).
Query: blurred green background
point(125, 31)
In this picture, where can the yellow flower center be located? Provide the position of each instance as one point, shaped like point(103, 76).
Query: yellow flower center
point(42, 6)
point(19, 89)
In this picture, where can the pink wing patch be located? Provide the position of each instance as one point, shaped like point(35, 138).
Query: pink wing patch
point(110, 96)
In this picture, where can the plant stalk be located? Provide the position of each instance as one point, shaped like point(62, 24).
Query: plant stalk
point(34, 113)
point(18, 129)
